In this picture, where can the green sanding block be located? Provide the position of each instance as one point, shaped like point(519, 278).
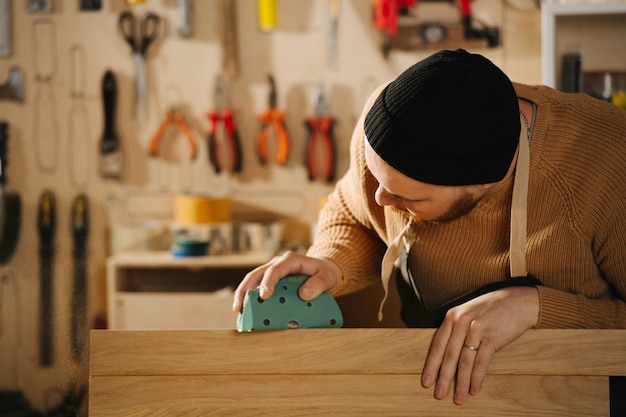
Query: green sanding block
point(286, 310)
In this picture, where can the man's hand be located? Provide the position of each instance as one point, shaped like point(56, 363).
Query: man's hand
point(471, 334)
point(323, 274)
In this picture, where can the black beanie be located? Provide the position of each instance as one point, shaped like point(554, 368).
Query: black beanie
point(451, 119)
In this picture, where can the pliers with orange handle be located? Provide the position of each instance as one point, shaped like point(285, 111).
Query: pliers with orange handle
point(222, 112)
point(273, 118)
point(174, 116)
point(320, 126)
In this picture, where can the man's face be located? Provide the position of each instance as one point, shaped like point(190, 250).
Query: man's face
point(426, 202)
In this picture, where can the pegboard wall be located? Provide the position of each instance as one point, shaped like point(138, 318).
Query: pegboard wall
point(55, 134)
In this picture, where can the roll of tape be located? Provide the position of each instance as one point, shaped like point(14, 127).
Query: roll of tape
point(189, 209)
point(268, 15)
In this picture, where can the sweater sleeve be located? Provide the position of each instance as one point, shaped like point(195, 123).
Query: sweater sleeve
point(347, 231)
point(596, 201)
point(602, 304)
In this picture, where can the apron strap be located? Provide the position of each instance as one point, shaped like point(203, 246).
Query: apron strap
point(389, 260)
point(517, 251)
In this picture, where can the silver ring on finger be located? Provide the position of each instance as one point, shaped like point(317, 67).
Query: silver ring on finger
point(470, 347)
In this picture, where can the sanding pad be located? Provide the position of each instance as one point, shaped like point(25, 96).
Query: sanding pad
point(286, 310)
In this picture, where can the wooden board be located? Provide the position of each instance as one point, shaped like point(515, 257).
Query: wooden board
point(343, 372)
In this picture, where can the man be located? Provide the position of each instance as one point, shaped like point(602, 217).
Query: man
point(495, 241)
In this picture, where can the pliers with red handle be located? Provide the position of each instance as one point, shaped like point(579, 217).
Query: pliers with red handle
point(222, 112)
point(320, 126)
point(273, 118)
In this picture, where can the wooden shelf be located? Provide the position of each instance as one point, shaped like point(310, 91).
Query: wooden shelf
point(551, 11)
point(165, 259)
point(158, 291)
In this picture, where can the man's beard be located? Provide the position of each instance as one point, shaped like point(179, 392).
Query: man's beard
point(461, 206)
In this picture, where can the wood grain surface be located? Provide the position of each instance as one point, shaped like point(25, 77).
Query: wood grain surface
point(342, 372)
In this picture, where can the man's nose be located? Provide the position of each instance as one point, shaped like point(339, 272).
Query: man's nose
point(384, 199)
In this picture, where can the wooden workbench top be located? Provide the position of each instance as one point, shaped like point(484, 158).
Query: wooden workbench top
point(343, 372)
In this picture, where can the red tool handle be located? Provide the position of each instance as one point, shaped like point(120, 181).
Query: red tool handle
point(214, 157)
point(386, 16)
point(329, 143)
point(466, 9)
point(321, 127)
point(233, 140)
point(312, 126)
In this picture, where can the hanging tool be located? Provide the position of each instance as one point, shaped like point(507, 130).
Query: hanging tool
point(228, 35)
point(320, 126)
point(39, 6)
point(333, 32)
point(10, 204)
point(386, 14)
point(47, 226)
point(111, 164)
point(13, 89)
point(268, 16)
point(79, 153)
point(46, 142)
point(139, 42)
point(410, 32)
point(90, 5)
point(80, 232)
point(185, 18)
point(386, 19)
point(273, 118)
point(223, 132)
point(491, 34)
point(6, 27)
point(174, 116)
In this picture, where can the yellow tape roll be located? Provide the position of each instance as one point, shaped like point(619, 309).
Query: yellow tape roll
point(189, 209)
point(267, 15)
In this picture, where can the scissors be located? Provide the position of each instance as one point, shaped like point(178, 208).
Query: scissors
point(139, 44)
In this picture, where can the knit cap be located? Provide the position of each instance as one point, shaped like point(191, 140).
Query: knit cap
point(450, 119)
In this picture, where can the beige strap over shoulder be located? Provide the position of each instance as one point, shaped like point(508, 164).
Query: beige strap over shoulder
point(519, 206)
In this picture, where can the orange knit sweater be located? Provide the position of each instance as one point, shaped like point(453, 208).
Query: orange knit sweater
point(576, 242)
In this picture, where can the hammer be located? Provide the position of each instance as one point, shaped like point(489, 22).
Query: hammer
point(13, 89)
